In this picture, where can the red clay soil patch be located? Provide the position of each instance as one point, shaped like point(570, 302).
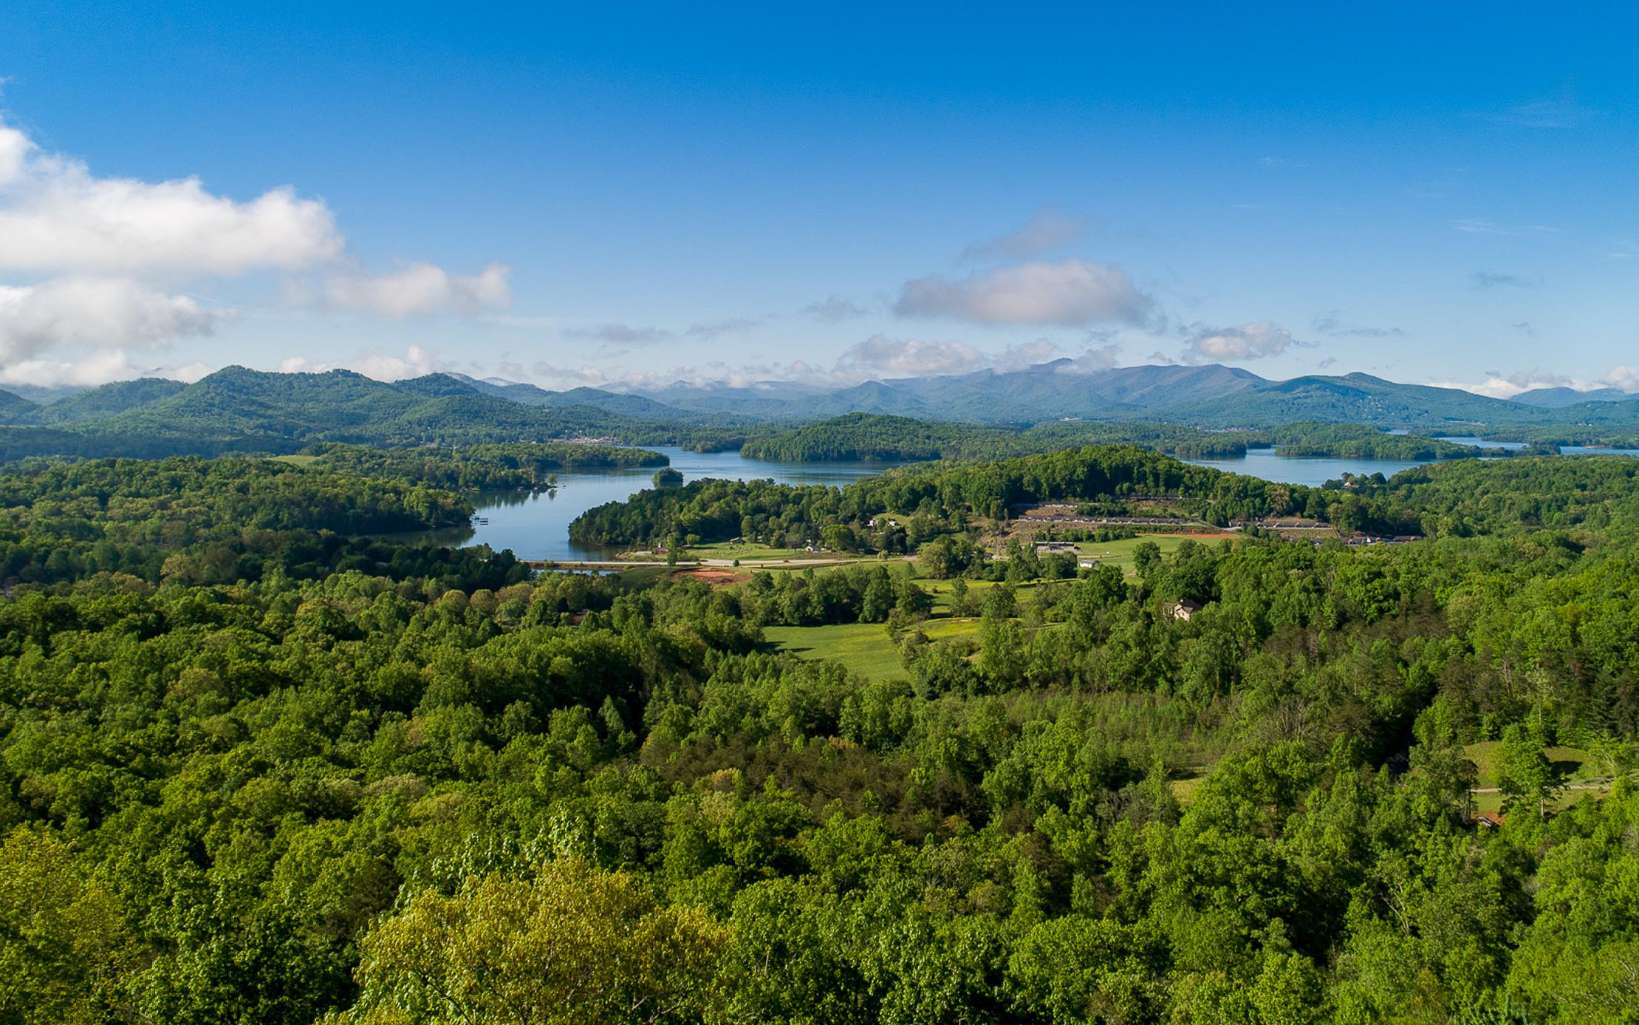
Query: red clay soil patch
point(715, 577)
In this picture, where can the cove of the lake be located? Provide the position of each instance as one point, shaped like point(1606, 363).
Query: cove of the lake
point(536, 526)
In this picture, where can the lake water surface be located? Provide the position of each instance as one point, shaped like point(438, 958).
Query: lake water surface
point(1264, 463)
point(536, 526)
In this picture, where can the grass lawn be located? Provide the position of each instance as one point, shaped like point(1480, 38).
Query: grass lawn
point(940, 589)
point(865, 648)
point(1573, 764)
point(1120, 553)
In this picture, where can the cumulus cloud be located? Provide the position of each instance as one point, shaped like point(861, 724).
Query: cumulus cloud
point(1625, 378)
point(416, 362)
point(421, 289)
point(1499, 385)
point(14, 149)
point(1067, 294)
point(93, 312)
point(1093, 359)
point(877, 357)
point(1026, 354)
point(57, 217)
point(1045, 232)
point(1259, 340)
point(94, 368)
point(99, 256)
point(880, 355)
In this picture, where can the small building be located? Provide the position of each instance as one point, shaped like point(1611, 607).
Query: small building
point(1183, 609)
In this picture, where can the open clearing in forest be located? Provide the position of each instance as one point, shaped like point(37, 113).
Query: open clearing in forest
point(1578, 772)
point(864, 648)
point(1120, 553)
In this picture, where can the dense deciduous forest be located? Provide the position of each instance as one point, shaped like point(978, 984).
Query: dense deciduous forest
point(863, 436)
point(424, 788)
point(943, 497)
point(482, 467)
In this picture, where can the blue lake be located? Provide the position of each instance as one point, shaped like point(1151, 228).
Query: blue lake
point(536, 526)
point(1264, 463)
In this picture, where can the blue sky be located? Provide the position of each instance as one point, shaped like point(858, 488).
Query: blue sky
point(652, 194)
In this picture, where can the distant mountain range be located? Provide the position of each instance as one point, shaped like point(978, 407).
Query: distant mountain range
point(1208, 396)
point(236, 409)
point(1559, 398)
point(240, 409)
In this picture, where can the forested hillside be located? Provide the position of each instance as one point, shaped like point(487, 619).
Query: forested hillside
point(240, 410)
point(255, 768)
point(945, 496)
point(1188, 411)
point(867, 437)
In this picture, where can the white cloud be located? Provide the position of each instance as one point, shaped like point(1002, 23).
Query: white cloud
point(103, 254)
point(1026, 354)
point(1043, 233)
point(1068, 294)
point(908, 357)
point(416, 362)
point(1494, 386)
point(14, 149)
point(1093, 359)
point(101, 313)
point(57, 217)
point(1498, 385)
point(877, 357)
point(98, 367)
point(1248, 341)
point(421, 289)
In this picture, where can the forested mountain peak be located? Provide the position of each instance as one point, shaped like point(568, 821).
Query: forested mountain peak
point(14, 407)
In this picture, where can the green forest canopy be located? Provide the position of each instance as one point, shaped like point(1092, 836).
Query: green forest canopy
point(429, 789)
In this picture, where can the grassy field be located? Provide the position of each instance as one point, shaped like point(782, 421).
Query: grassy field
point(1120, 553)
point(295, 460)
point(1574, 765)
point(865, 648)
point(940, 589)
